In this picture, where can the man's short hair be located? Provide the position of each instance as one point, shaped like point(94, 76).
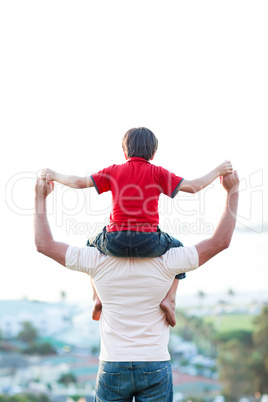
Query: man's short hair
point(140, 142)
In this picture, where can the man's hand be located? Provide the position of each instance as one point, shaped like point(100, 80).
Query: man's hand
point(225, 168)
point(47, 174)
point(230, 182)
point(43, 188)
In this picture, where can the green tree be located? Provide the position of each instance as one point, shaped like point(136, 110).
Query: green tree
point(230, 292)
point(67, 378)
point(260, 356)
point(196, 330)
point(201, 295)
point(40, 348)
point(244, 337)
point(243, 360)
point(28, 333)
point(234, 370)
point(230, 295)
point(63, 295)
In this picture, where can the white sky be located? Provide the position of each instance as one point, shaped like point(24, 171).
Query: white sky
point(75, 76)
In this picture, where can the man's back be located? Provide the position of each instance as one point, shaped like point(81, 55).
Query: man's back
point(133, 326)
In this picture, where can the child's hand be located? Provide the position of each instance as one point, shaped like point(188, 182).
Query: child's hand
point(225, 168)
point(47, 175)
point(42, 188)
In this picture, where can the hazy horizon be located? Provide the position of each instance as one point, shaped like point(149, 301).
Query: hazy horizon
point(75, 78)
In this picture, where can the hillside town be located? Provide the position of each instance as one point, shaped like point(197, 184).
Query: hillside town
point(51, 349)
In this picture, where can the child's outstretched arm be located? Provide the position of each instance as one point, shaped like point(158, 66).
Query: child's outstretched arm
point(70, 181)
point(193, 186)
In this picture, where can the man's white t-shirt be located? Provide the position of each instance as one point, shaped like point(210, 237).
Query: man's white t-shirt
point(133, 327)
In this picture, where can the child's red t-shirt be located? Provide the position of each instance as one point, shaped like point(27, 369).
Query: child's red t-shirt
point(136, 186)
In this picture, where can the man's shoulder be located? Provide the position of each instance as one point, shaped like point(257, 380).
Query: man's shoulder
point(181, 257)
point(83, 258)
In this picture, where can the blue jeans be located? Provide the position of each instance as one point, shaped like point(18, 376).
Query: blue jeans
point(147, 381)
point(128, 243)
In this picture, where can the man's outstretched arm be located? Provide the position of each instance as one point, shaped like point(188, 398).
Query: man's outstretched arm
point(221, 239)
point(44, 241)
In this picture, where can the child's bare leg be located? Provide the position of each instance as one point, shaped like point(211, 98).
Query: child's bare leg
point(97, 306)
point(169, 303)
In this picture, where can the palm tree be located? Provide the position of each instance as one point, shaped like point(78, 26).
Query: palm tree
point(201, 295)
point(63, 295)
point(230, 294)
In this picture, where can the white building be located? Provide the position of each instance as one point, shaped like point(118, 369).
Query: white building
point(47, 318)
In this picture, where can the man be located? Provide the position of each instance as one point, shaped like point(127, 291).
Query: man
point(134, 358)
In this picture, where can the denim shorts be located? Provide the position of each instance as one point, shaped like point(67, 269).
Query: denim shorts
point(146, 381)
point(128, 243)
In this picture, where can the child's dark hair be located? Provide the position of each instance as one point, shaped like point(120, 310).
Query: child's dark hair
point(140, 142)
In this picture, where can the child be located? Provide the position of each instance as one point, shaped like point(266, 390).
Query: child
point(136, 186)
